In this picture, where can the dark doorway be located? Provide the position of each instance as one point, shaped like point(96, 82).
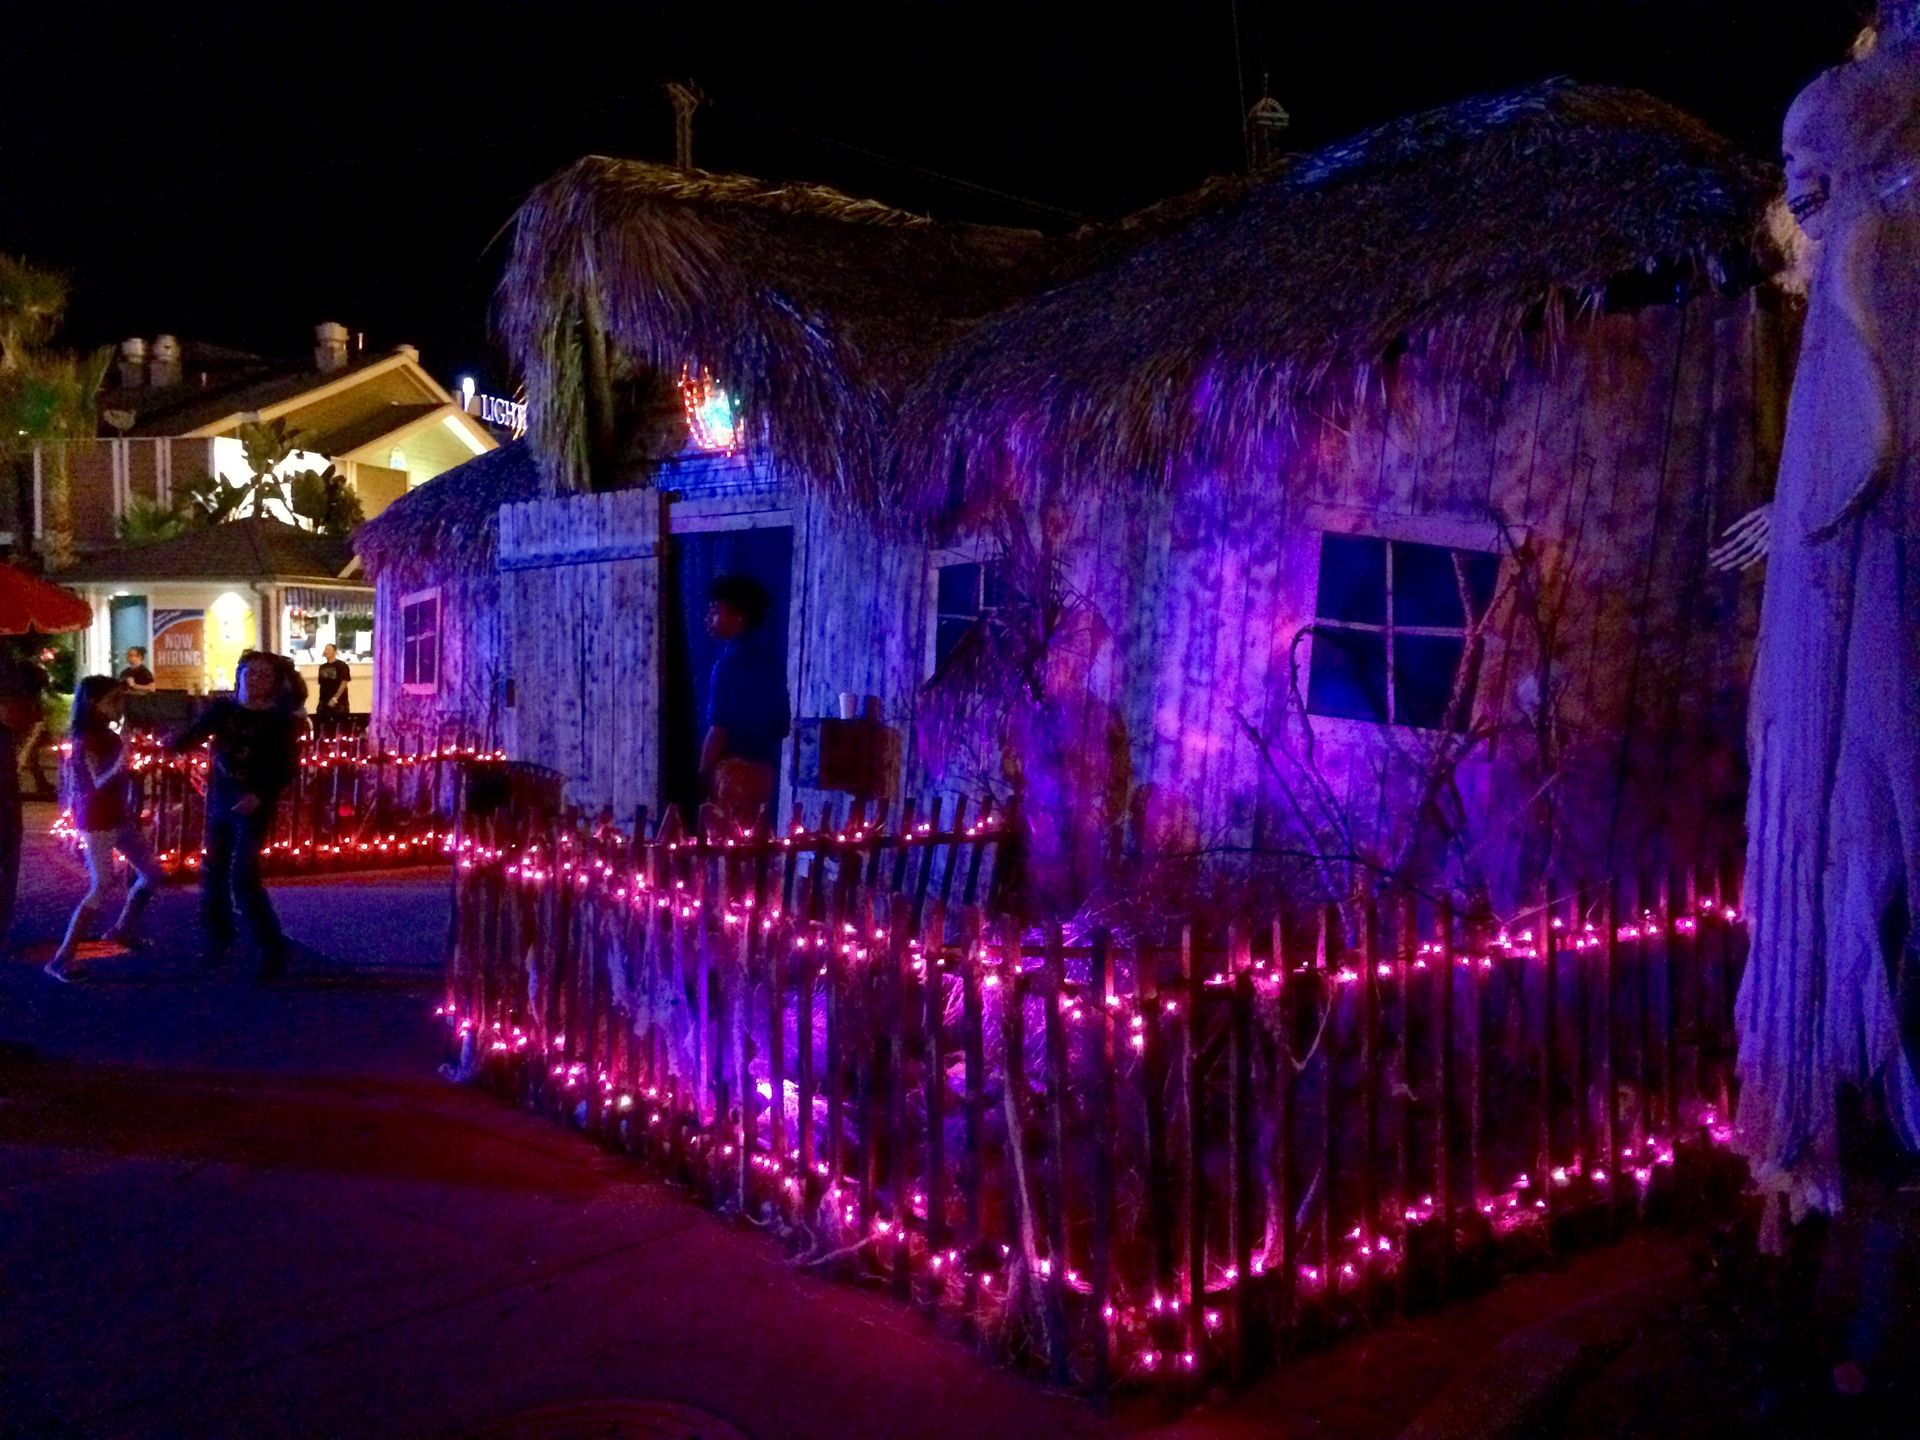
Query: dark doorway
point(687, 665)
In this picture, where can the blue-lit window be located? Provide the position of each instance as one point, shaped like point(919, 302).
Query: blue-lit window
point(1391, 631)
point(963, 595)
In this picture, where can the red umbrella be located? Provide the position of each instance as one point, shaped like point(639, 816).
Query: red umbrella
point(29, 605)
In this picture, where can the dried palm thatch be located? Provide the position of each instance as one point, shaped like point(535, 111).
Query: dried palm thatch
point(449, 520)
point(814, 309)
point(1198, 333)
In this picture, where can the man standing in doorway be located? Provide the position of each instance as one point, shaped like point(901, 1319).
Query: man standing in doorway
point(748, 713)
point(136, 675)
point(333, 707)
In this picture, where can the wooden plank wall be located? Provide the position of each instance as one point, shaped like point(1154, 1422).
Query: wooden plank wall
point(468, 700)
point(580, 602)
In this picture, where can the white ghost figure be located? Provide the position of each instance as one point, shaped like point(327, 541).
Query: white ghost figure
point(1833, 816)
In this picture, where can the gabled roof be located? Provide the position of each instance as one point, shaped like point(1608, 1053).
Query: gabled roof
point(1454, 232)
point(184, 408)
point(251, 550)
point(449, 520)
point(334, 412)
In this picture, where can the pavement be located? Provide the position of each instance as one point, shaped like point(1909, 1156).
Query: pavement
point(236, 1210)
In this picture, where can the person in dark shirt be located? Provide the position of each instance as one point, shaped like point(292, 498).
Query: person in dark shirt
point(136, 675)
point(748, 713)
point(333, 707)
point(21, 684)
point(256, 738)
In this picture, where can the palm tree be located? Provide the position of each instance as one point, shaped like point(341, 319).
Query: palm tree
point(32, 302)
point(44, 396)
point(50, 397)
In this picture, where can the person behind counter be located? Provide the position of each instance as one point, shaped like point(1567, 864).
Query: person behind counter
point(135, 675)
point(333, 707)
point(256, 739)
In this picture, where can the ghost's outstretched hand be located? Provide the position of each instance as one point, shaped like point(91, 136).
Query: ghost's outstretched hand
point(1744, 544)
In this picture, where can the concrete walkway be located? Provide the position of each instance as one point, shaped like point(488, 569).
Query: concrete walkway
point(229, 1210)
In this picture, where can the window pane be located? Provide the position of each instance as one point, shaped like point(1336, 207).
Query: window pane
point(1353, 579)
point(1483, 571)
point(428, 655)
point(996, 590)
point(1423, 671)
point(1425, 590)
point(1349, 674)
point(959, 590)
point(947, 633)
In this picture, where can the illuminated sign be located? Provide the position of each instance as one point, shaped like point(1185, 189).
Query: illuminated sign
point(501, 413)
point(179, 654)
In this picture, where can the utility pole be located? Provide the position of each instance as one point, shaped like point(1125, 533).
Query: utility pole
point(686, 99)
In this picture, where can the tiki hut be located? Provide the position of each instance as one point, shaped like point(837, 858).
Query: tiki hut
point(1356, 511)
point(432, 556)
point(721, 359)
point(1386, 480)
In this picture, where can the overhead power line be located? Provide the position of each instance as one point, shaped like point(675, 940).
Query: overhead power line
point(955, 182)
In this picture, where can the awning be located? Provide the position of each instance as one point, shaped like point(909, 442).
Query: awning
point(29, 605)
point(340, 601)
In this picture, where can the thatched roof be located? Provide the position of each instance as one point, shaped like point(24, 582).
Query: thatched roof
point(815, 310)
point(449, 520)
point(1222, 314)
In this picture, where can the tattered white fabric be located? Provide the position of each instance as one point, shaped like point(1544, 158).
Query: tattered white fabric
point(1834, 811)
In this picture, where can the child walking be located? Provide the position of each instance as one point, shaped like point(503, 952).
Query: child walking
point(106, 810)
point(256, 739)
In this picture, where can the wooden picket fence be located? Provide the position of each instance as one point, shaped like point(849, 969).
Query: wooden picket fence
point(354, 804)
point(1124, 1162)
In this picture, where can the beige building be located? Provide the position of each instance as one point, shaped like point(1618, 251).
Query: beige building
point(172, 413)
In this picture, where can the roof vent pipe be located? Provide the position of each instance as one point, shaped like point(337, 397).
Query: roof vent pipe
point(330, 347)
point(132, 366)
point(163, 368)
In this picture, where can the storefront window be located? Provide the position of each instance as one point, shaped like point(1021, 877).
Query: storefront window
point(317, 617)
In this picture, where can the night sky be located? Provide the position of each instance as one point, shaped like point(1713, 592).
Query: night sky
point(236, 173)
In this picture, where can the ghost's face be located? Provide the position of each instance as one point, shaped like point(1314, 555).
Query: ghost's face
point(1806, 159)
point(1809, 188)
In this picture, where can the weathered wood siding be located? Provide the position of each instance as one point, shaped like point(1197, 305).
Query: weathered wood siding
point(1617, 463)
point(580, 611)
point(465, 704)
